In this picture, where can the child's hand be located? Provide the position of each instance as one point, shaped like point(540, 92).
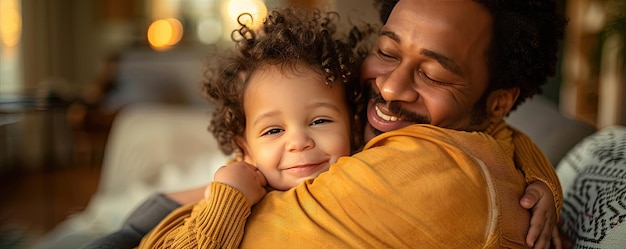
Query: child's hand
point(243, 177)
point(543, 230)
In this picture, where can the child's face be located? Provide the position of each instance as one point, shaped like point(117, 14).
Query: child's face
point(296, 125)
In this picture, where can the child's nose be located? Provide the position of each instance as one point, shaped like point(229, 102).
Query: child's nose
point(299, 141)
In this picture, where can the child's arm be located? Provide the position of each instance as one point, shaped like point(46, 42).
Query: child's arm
point(543, 223)
point(145, 217)
point(238, 187)
point(543, 196)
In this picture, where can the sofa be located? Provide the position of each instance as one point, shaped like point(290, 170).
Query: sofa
point(152, 147)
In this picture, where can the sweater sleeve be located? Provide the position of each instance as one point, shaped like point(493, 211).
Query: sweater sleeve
point(536, 166)
point(214, 223)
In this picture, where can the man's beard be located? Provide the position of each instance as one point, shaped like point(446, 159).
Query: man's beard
point(478, 115)
point(479, 112)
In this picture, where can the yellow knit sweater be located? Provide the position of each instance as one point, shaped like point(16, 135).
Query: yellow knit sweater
point(417, 187)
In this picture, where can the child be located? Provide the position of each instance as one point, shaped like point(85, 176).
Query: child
point(285, 101)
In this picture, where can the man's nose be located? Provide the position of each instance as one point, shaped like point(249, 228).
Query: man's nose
point(398, 85)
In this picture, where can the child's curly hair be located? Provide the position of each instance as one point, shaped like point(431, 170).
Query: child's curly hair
point(288, 37)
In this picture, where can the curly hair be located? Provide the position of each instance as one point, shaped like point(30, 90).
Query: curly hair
point(288, 37)
point(526, 40)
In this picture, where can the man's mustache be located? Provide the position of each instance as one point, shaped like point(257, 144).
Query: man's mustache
point(396, 109)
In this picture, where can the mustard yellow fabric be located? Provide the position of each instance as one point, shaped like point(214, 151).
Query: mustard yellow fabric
point(417, 187)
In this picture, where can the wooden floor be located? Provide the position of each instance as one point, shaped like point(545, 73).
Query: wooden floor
point(35, 202)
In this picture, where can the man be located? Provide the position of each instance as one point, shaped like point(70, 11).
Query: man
point(436, 62)
point(457, 66)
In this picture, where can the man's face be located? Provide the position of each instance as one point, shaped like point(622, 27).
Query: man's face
point(429, 66)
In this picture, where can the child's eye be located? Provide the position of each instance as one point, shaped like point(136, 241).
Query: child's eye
point(320, 121)
point(272, 131)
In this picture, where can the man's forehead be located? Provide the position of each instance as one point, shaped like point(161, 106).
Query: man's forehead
point(444, 26)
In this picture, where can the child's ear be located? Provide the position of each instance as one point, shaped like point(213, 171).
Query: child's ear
point(500, 102)
point(244, 150)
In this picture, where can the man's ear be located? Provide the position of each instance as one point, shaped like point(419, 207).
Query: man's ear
point(500, 103)
point(244, 149)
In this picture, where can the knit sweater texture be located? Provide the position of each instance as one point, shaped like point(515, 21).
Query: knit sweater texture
point(417, 187)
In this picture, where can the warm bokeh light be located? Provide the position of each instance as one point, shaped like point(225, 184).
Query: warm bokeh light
point(254, 7)
point(231, 10)
point(165, 33)
point(10, 46)
point(10, 22)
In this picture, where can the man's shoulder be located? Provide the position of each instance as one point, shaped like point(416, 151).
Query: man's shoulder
point(427, 148)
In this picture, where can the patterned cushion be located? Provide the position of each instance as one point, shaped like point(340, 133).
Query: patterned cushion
point(593, 177)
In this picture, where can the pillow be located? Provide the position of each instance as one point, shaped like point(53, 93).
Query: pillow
point(593, 177)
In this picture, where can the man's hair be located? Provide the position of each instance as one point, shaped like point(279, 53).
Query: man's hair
point(289, 38)
point(525, 44)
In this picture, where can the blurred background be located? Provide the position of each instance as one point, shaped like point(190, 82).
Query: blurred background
point(70, 68)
